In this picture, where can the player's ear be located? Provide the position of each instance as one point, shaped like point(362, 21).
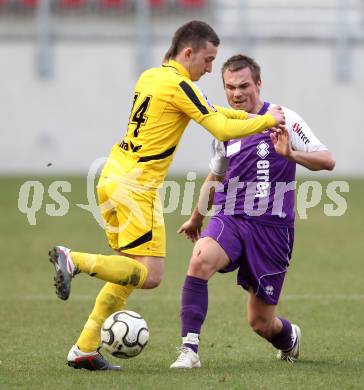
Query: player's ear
point(188, 52)
point(259, 84)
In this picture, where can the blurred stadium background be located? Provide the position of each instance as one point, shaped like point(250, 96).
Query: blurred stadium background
point(68, 68)
point(67, 72)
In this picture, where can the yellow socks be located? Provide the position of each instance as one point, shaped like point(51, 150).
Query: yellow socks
point(111, 298)
point(116, 269)
point(123, 274)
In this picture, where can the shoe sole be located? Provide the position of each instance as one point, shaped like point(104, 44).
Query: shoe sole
point(107, 368)
point(298, 335)
point(62, 290)
point(195, 365)
point(73, 365)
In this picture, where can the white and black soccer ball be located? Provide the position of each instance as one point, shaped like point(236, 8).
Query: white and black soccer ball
point(124, 334)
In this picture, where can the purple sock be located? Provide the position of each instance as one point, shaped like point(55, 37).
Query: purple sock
point(284, 339)
point(193, 307)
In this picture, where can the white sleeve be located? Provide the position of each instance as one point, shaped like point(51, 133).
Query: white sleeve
point(219, 162)
point(302, 137)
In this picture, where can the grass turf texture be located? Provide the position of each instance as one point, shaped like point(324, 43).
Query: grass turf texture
point(323, 293)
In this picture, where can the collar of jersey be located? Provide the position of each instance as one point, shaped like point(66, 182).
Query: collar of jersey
point(179, 67)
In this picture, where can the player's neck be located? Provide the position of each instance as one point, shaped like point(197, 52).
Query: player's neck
point(257, 107)
point(182, 61)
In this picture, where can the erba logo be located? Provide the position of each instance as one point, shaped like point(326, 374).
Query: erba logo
point(125, 146)
point(269, 290)
point(297, 128)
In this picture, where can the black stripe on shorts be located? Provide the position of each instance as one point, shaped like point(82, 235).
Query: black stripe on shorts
point(139, 241)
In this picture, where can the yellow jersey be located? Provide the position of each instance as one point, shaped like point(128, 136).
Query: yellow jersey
point(165, 100)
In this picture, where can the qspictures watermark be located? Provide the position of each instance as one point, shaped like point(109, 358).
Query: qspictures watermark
point(173, 195)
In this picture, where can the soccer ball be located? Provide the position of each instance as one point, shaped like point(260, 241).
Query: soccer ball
point(124, 334)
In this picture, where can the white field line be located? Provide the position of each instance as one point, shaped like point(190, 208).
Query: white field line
point(174, 298)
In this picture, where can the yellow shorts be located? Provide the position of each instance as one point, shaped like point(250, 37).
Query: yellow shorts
point(133, 217)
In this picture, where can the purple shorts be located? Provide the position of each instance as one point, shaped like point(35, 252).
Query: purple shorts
point(260, 252)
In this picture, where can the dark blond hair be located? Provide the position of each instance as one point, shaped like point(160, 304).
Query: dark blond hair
point(238, 62)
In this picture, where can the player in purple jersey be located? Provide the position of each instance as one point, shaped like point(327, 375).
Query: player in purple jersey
point(252, 183)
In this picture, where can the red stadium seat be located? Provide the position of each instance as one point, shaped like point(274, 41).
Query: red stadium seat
point(113, 3)
point(28, 3)
point(72, 3)
point(193, 3)
point(157, 3)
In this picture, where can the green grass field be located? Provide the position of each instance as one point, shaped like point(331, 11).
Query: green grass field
point(324, 293)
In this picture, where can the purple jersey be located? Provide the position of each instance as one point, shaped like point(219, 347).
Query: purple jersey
point(259, 183)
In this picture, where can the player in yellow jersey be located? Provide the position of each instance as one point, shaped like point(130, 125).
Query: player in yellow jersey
point(165, 99)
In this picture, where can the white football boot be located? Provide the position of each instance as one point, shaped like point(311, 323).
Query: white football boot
point(292, 354)
point(65, 270)
point(187, 358)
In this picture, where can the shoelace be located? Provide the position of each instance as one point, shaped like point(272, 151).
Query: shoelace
point(286, 355)
point(290, 359)
point(181, 350)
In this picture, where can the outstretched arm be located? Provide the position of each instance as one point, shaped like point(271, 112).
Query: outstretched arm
point(192, 227)
point(223, 123)
point(225, 129)
point(231, 113)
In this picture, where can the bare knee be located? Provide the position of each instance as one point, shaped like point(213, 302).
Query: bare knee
point(155, 268)
point(152, 281)
point(154, 277)
point(262, 326)
point(207, 258)
point(201, 266)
